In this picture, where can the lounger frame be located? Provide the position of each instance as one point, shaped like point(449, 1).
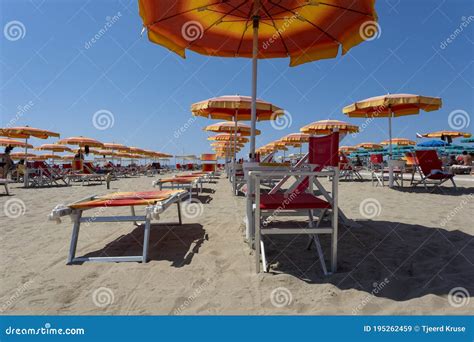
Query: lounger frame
point(152, 212)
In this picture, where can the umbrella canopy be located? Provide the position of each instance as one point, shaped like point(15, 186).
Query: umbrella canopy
point(389, 106)
point(433, 143)
point(399, 142)
point(369, 146)
point(303, 30)
point(298, 138)
point(22, 155)
point(81, 141)
point(25, 132)
point(468, 141)
point(235, 108)
point(14, 143)
point(116, 147)
point(228, 127)
point(53, 148)
point(46, 156)
point(348, 149)
point(452, 134)
point(228, 137)
point(324, 127)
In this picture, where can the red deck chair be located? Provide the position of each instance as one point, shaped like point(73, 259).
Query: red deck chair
point(347, 169)
point(323, 154)
point(430, 168)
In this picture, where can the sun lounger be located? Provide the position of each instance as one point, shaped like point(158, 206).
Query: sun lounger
point(41, 174)
point(188, 182)
point(83, 172)
point(155, 203)
point(301, 199)
point(347, 169)
point(430, 169)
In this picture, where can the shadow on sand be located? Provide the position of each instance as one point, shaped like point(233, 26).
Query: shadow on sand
point(416, 260)
point(177, 244)
point(441, 190)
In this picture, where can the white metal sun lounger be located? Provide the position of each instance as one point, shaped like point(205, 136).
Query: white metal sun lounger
point(155, 203)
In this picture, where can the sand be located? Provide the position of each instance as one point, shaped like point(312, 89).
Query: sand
point(414, 251)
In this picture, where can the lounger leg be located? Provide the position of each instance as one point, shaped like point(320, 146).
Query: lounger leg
point(452, 180)
point(146, 240)
point(6, 190)
point(75, 237)
point(319, 250)
point(133, 214)
point(264, 257)
point(179, 213)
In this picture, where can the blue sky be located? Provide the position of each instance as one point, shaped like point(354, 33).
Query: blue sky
point(49, 79)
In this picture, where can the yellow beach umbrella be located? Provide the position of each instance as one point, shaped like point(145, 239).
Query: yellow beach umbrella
point(53, 148)
point(452, 134)
point(81, 142)
point(22, 155)
point(399, 142)
point(325, 127)
point(228, 137)
point(14, 143)
point(229, 127)
point(370, 146)
point(348, 149)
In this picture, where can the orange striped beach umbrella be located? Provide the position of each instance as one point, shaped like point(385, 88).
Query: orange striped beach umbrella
point(324, 127)
point(14, 143)
point(303, 30)
point(26, 132)
point(452, 134)
point(228, 137)
point(81, 142)
point(370, 146)
point(348, 149)
point(53, 148)
point(399, 142)
point(22, 155)
point(229, 127)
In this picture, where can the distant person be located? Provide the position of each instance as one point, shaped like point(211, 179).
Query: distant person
point(452, 160)
point(358, 161)
point(466, 158)
point(79, 155)
point(7, 163)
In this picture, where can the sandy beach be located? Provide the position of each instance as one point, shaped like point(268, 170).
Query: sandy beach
point(416, 247)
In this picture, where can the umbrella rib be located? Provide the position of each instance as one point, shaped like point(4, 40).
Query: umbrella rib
point(181, 13)
point(243, 33)
point(308, 21)
point(273, 22)
point(346, 9)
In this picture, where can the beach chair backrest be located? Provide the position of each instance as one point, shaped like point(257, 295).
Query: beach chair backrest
point(428, 161)
point(208, 167)
point(376, 159)
point(323, 151)
point(411, 159)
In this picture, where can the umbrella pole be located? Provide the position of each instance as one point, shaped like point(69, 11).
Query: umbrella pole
point(253, 116)
point(25, 176)
point(390, 167)
point(234, 182)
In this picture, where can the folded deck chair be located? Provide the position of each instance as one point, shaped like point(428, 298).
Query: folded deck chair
point(323, 155)
point(430, 169)
point(347, 169)
point(187, 182)
point(155, 202)
point(41, 174)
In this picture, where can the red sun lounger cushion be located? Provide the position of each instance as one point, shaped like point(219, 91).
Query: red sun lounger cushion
point(292, 202)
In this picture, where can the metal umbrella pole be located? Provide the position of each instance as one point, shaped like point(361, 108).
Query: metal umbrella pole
point(390, 166)
point(253, 116)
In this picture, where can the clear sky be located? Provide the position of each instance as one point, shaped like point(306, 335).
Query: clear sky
point(52, 77)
